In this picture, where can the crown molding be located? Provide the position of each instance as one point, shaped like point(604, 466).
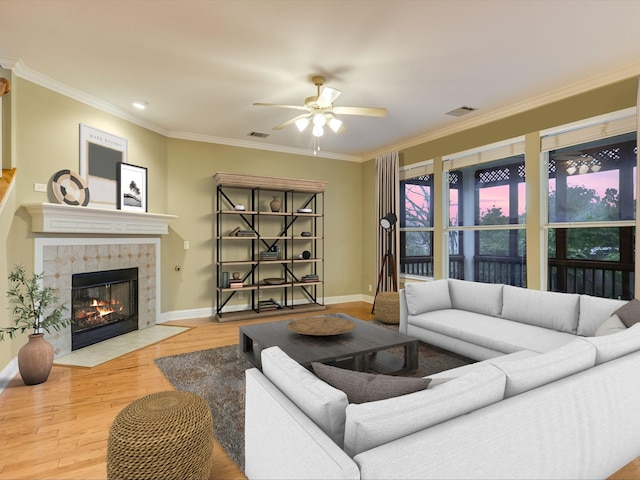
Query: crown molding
point(475, 120)
point(478, 119)
point(24, 72)
point(262, 146)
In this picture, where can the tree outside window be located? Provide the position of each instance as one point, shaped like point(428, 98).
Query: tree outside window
point(593, 182)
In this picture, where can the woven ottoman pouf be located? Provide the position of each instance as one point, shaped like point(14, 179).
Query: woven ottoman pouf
point(165, 435)
point(387, 307)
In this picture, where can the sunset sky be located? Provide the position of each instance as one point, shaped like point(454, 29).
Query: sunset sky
point(499, 196)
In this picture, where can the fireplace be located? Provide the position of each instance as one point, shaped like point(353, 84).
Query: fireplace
point(104, 305)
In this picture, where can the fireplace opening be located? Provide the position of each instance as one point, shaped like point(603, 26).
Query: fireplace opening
point(103, 305)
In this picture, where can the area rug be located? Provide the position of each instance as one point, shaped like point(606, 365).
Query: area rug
point(217, 374)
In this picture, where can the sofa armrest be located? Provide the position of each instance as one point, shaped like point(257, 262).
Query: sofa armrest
point(404, 312)
point(282, 442)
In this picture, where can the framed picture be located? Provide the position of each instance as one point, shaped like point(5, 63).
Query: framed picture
point(100, 154)
point(132, 188)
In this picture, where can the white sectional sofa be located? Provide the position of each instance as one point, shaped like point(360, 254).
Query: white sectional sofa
point(560, 407)
point(482, 320)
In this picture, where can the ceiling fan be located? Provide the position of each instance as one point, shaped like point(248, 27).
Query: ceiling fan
point(320, 110)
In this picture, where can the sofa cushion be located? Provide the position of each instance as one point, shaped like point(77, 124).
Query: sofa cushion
point(553, 310)
point(375, 423)
point(321, 402)
point(594, 311)
point(485, 298)
point(538, 370)
point(427, 296)
point(610, 347)
point(629, 313)
point(362, 387)
point(611, 325)
point(496, 334)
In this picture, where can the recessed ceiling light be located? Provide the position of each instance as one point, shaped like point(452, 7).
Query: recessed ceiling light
point(140, 104)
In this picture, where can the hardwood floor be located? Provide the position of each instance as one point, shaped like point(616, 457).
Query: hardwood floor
point(59, 429)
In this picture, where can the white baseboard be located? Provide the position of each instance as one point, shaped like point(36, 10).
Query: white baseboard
point(186, 314)
point(210, 312)
point(8, 373)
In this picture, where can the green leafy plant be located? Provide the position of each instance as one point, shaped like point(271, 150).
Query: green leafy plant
point(33, 305)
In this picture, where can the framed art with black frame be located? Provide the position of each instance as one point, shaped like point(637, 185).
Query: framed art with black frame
point(132, 187)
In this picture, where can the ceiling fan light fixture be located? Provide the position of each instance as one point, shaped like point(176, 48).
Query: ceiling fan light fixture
point(318, 131)
point(335, 124)
point(319, 120)
point(302, 123)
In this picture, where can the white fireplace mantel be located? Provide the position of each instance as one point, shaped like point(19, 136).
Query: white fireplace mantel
point(57, 218)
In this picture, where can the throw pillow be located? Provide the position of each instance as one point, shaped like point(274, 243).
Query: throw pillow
point(362, 387)
point(423, 297)
point(630, 313)
point(611, 325)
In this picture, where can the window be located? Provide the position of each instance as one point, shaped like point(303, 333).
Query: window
point(489, 223)
point(591, 213)
point(416, 226)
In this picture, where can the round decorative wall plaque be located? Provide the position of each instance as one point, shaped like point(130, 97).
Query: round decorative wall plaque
point(70, 188)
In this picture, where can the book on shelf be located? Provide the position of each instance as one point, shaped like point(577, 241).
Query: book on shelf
point(271, 304)
point(235, 284)
point(269, 255)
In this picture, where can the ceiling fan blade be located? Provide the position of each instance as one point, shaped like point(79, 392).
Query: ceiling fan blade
point(328, 96)
point(291, 121)
point(367, 111)
point(295, 107)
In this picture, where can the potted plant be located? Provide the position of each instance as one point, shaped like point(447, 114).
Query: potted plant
point(38, 308)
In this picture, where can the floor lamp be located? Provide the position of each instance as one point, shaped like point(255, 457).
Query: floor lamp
point(387, 222)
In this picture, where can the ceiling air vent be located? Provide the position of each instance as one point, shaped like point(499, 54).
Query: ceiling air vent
point(458, 112)
point(258, 134)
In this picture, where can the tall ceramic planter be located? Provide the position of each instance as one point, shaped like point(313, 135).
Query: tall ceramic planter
point(35, 360)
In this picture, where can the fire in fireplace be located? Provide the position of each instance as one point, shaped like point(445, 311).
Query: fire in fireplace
point(104, 305)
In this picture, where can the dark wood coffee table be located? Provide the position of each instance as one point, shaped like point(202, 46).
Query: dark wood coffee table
point(362, 349)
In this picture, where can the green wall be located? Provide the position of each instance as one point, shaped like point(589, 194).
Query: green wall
point(44, 139)
point(610, 98)
point(192, 193)
point(607, 99)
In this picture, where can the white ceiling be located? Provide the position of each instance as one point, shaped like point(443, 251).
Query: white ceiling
point(202, 64)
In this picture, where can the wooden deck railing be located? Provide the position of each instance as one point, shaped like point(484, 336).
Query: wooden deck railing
point(591, 277)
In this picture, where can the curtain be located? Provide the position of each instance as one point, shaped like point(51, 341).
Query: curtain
point(387, 201)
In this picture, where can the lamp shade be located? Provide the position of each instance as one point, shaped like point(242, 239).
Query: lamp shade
point(388, 221)
point(302, 123)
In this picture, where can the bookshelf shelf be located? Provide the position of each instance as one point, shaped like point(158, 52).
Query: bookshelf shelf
point(257, 244)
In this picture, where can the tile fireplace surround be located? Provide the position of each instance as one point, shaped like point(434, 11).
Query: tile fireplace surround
point(76, 249)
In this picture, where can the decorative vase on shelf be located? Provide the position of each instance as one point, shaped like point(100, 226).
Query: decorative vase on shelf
point(35, 360)
point(275, 204)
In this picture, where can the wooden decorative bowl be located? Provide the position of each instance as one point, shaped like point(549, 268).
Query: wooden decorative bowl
point(321, 326)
